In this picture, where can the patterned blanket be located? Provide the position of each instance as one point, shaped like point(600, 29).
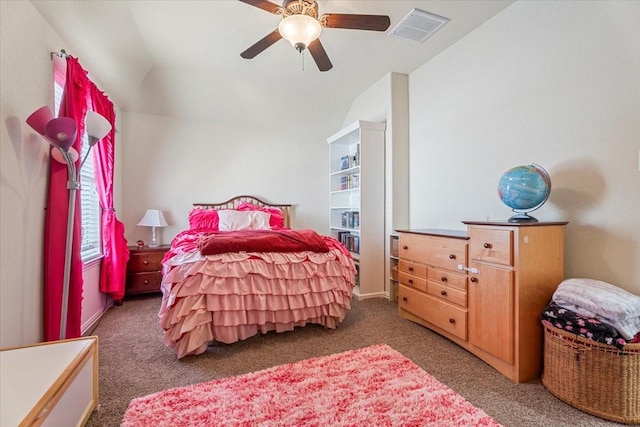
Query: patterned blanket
point(586, 327)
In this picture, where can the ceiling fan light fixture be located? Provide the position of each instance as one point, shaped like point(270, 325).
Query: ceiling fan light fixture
point(300, 30)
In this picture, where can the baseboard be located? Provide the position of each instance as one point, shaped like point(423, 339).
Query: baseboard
point(360, 296)
point(87, 327)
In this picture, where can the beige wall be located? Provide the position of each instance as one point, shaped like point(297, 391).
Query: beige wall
point(26, 83)
point(388, 101)
point(172, 164)
point(555, 83)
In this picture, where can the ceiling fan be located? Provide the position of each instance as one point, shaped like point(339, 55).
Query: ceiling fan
point(302, 26)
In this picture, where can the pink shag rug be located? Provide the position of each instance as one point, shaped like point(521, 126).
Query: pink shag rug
point(372, 386)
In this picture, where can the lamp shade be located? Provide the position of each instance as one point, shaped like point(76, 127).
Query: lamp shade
point(61, 132)
point(299, 30)
point(39, 119)
point(97, 126)
point(59, 157)
point(153, 218)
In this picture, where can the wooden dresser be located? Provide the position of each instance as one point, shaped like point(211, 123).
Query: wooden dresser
point(484, 289)
point(144, 269)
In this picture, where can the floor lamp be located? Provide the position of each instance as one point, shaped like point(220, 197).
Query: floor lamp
point(61, 134)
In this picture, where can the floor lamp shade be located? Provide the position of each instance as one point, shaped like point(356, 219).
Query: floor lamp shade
point(153, 218)
point(61, 132)
point(39, 119)
point(97, 127)
point(58, 156)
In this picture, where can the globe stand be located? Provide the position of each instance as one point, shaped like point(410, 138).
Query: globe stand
point(524, 189)
point(521, 217)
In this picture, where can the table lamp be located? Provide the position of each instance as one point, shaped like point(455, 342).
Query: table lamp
point(153, 218)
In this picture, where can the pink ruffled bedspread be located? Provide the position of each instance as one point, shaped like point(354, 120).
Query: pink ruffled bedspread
point(233, 296)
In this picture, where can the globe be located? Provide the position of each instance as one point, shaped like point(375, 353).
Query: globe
point(524, 189)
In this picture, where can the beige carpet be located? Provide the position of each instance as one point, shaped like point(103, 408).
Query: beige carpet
point(134, 362)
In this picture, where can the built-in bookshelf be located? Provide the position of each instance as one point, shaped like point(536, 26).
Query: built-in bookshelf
point(356, 199)
point(393, 267)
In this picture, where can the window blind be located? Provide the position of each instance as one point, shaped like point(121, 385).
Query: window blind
point(91, 214)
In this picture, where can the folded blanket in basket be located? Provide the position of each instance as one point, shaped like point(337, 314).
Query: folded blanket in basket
point(601, 300)
point(586, 327)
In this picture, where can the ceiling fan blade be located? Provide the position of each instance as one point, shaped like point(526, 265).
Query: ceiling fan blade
point(264, 5)
point(320, 55)
point(355, 22)
point(261, 44)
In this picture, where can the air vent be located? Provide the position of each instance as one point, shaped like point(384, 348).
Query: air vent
point(418, 26)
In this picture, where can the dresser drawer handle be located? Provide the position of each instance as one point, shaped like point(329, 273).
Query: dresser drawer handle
point(411, 281)
point(405, 247)
point(145, 262)
point(410, 269)
point(146, 282)
point(452, 256)
point(443, 293)
point(443, 279)
point(474, 279)
point(405, 299)
point(487, 245)
point(452, 320)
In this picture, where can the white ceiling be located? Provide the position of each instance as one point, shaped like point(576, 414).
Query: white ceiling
point(182, 58)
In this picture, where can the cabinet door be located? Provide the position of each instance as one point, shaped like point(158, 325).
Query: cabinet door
point(491, 311)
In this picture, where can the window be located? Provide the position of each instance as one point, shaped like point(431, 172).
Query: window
point(89, 202)
point(90, 207)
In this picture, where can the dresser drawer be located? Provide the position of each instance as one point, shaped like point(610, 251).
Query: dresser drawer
point(491, 245)
point(446, 293)
point(441, 252)
point(446, 253)
point(442, 314)
point(412, 247)
point(143, 282)
point(447, 278)
point(413, 281)
point(145, 261)
point(412, 268)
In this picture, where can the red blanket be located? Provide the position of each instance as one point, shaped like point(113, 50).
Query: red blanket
point(262, 241)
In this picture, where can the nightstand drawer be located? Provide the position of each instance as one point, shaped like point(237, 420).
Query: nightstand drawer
point(146, 261)
point(143, 282)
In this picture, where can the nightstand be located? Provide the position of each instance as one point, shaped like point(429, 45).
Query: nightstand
point(144, 269)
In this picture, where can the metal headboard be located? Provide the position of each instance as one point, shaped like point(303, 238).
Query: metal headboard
point(234, 202)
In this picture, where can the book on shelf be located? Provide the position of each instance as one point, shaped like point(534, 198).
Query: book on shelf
point(349, 182)
point(350, 241)
point(350, 219)
point(345, 162)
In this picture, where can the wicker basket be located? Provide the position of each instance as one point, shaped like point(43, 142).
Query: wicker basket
point(596, 378)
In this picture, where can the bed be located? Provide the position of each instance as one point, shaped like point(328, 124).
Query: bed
point(239, 270)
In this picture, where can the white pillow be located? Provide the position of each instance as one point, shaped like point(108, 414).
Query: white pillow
point(231, 220)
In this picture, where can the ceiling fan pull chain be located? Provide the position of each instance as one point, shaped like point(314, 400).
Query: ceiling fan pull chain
point(302, 56)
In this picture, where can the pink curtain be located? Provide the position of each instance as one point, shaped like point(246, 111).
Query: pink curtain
point(114, 244)
point(74, 105)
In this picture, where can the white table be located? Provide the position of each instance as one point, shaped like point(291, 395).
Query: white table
point(49, 384)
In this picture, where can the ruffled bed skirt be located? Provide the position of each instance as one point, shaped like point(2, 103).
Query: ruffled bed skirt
point(228, 297)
